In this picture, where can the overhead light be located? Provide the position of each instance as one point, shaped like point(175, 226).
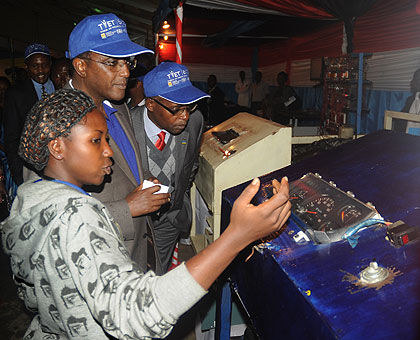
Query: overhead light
point(165, 25)
point(165, 37)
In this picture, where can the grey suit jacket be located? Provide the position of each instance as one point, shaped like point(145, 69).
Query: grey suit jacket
point(116, 187)
point(186, 165)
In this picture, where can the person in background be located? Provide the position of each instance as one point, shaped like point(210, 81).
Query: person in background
point(216, 102)
point(60, 72)
point(412, 105)
point(168, 132)
point(17, 74)
point(259, 92)
point(282, 100)
point(20, 98)
point(135, 90)
point(242, 88)
point(102, 55)
point(66, 250)
point(4, 85)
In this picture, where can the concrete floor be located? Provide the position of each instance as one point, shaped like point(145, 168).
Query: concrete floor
point(14, 318)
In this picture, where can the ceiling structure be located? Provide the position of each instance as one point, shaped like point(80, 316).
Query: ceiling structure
point(51, 21)
point(240, 26)
point(232, 22)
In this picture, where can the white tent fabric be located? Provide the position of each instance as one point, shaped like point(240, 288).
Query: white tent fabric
point(270, 73)
point(300, 74)
point(390, 71)
point(393, 70)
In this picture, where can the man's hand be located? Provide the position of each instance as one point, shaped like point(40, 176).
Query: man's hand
point(154, 180)
point(142, 202)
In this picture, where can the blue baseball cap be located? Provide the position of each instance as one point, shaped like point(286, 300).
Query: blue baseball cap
point(105, 34)
point(171, 81)
point(36, 48)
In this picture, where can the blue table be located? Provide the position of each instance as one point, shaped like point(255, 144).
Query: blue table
point(307, 291)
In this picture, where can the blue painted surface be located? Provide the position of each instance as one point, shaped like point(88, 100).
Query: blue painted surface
point(223, 315)
point(299, 291)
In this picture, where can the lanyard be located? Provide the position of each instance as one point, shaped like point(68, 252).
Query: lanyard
point(66, 183)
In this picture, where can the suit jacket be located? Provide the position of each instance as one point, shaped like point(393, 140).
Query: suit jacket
point(216, 105)
point(114, 190)
point(187, 145)
point(18, 101)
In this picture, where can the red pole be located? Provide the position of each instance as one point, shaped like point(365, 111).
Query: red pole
point(179, 17)
point(157, 48)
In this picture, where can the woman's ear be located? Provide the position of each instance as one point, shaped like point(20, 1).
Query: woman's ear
point(55, 148)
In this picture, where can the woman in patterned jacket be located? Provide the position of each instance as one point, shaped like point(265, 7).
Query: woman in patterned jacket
point(67, 253)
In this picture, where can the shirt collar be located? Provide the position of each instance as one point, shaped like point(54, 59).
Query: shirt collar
point(150, 128)
point(109, 109)
point(142, 103)
point(49, 86)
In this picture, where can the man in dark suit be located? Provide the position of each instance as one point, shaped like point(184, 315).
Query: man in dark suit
point(102, 54)
point(168, 132)
point(19, 100)
point(282, 101)
point(216, 102)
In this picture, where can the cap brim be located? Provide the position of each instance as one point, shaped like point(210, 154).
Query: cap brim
point(185, 95)
point(37, 52)
point(121, 49)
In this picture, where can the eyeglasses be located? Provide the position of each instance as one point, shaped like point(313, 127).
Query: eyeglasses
point(117, 64)
point(179, 110)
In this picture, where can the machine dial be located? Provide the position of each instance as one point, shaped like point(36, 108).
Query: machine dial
point(319, 208)
point(298, 195)
point(349, 213)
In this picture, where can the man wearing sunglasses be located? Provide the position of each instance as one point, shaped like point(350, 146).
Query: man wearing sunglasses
point(102, 56)
point(168, 131)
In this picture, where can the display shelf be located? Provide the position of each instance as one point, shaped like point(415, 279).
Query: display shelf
point(343, 77)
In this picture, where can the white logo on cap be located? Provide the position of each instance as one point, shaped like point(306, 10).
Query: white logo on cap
point(175, 78)
point(110, 27)
point(106, 24)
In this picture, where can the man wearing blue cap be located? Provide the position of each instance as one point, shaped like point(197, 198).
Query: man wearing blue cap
point(20, 98)
point(102, 55)
point(169, 133)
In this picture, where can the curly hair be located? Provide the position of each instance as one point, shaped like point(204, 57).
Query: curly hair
point(50, 118)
